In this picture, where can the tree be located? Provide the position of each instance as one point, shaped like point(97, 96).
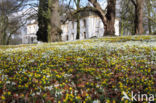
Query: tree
point(77, 16)
point(138, 4)
point(107, 16)
point(13, 27)
point(7, 7)
point(54, 28)
point(3, 28)
point(43, 19)
point(128, 18)
point(49, 21)
point(150, 15)
point(126, 15)
point(149, 9)
point(77, 2)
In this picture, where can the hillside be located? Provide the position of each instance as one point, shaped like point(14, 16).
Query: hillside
point(85, 70)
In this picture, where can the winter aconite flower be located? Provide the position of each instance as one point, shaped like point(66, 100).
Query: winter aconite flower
point(85, 71)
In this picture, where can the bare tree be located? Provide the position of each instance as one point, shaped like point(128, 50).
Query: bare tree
point(8, 7)
point(107, 16)
point(126, 16)
point(150, 15)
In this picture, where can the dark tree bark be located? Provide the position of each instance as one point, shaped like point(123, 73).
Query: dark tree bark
point(49, 21)
point(78, 19)
point(138, 16)
point(111, 14)
point(108, 18)
point(42, 34)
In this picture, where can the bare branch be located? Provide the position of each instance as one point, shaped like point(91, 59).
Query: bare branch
point(153, 20)
point(133, 3)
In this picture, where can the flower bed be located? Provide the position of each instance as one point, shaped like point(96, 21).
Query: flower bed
point(81, 71)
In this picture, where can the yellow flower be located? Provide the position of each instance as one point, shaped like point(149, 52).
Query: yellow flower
point(78, 97)
point(64, 100)
point(26, 85)
point(2, 97)
point(70, 88)
point(22, 95)
point(9, 93)
point(126, 101)
point(107, 101)
point(104, 82)
point(19, 86)
point(87, 94)
point(44, 77)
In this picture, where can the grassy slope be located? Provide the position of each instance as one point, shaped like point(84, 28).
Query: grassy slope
point(84, 70)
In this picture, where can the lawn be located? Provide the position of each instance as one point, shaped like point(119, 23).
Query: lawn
point(87, 71)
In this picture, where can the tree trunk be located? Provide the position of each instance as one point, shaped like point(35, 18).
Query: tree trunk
point(54, 28)
point(49, 21)
point(136, 27)
point(42, 33)
point(107, 19)
point(122, 27)
point(138, 16)
point(4, 21)
point(110, 30)
point(149, 6)
point(4, 38)
point(140, 28)
point(78, 20)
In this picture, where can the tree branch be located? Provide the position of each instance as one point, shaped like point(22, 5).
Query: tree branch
point(85, 9)
point(133, 3)
point(153, 20)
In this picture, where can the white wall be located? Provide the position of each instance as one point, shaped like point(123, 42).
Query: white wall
point(32, 29)
point(95, 27)
point(116, 26)
point(30, 34)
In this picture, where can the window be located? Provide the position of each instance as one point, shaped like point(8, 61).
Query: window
point(67, 37)
point(32, 39)
point(73, 35)
point(85, 35)
point(73, 24)
point(85, 23)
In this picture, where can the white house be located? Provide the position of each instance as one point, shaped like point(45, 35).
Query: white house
point(90, 26)
point(29, 26)
point(31, 30)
